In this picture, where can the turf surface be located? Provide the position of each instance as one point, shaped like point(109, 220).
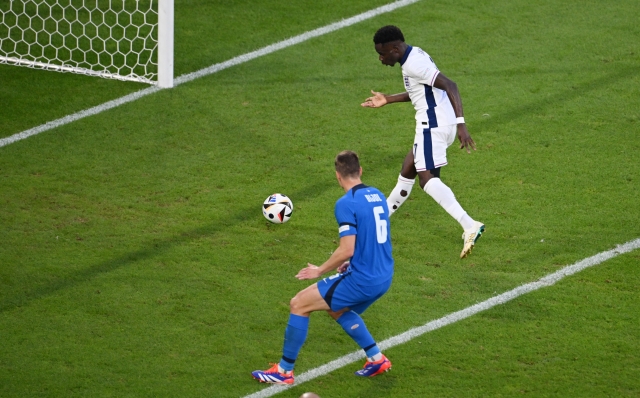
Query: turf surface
point(134, 260)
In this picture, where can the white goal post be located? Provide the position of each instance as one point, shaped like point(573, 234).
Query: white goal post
point(118, 39)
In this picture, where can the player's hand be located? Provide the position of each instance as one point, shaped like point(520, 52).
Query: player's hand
point(343, 267)
point(310, 272)
point(465, 139)
point(376, 101)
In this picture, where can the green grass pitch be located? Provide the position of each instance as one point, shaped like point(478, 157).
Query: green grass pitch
point(135, 262)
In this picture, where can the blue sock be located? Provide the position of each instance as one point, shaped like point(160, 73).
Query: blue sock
point(355, 327)
point(294, 337)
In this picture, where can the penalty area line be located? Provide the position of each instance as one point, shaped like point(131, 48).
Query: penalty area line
point(411, 334)
point(209, 70)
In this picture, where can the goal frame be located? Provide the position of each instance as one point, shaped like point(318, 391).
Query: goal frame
point(164, 50)
point(165, 43)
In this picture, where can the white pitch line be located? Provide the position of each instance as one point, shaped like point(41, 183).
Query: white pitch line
point(78, 115)
point(410, 334)
point(209, 70)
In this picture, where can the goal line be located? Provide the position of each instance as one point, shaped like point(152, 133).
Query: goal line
point(209, 70)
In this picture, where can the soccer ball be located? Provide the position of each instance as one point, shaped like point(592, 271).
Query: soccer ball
point(277, 208)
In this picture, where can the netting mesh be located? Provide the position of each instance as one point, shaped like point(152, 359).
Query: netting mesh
point(108, 38)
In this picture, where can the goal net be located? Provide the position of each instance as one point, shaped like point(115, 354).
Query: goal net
point(118, 39)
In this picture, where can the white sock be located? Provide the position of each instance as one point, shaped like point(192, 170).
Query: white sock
point(399, 194)
point(375, 358)
point(445, 198)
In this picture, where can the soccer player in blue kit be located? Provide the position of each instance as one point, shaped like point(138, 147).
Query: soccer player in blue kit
point(363, 219)
point(439, 117)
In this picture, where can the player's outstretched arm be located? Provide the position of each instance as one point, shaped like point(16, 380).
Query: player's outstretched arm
point(379, 99)
point(444, 83)
point(338, 257)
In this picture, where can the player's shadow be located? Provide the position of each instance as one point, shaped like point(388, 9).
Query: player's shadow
point(153, 250)
point(383, 385)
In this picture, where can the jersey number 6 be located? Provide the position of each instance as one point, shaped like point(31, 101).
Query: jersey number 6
point(381, 225)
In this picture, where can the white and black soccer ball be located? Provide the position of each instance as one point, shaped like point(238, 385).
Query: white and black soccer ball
point(277, 208)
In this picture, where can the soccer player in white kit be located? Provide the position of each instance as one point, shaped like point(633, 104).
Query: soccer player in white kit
point(439, 117)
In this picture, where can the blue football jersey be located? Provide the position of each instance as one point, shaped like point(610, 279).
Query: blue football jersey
point(363, 212)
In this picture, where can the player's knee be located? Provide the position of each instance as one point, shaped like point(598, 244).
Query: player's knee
point(408, 174)
point(424, 179)
point(333, 315)
point(425, 176)
point(295, 304)
point(409, 171)
point(336, 314)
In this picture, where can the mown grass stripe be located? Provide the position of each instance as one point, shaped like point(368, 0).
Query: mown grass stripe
point(410, 334)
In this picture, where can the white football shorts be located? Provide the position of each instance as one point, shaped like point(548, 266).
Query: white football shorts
point(430, 146)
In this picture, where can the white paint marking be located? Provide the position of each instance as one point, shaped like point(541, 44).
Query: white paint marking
point(454, 317)
point(77, 116)
point(209, 70)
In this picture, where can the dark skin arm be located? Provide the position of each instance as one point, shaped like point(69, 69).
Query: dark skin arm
point(443, 83)
point(378, 100)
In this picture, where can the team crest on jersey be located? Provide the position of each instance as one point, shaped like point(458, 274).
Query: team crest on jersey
point(406, 82)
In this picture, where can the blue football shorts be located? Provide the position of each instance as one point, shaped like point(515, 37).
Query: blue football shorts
point(340, 291)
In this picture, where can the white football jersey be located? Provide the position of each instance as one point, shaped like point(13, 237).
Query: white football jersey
point(432, 105)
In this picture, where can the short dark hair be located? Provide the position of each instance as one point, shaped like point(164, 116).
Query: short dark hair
point(348, 164)
point(387, 34)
